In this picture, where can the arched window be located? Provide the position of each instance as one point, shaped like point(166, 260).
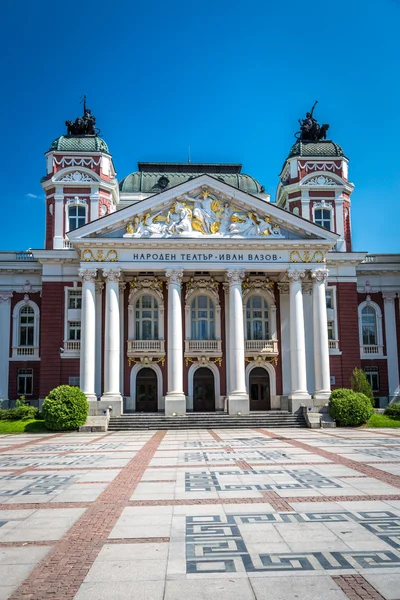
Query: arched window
point(369, 326)
point(76, 216)
point(146, 318)
point(322, 217)
point(203, 318)
point(257, 318)
point(26, 326)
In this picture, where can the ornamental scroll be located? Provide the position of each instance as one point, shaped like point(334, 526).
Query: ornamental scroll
point(88, 255)
point(305, 257)
point(202, 215)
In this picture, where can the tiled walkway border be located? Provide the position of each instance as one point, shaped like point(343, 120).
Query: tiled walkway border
point(62, 571)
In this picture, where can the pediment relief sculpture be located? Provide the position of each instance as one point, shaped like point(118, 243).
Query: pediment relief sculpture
point(203, 215)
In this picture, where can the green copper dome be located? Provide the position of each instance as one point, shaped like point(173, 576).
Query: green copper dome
point(323, 148)
point(75, 143)
point(157, 177)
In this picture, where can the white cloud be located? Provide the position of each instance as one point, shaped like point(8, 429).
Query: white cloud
point(32, 196)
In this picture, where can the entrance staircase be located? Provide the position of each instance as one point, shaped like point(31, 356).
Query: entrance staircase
point(204, 420)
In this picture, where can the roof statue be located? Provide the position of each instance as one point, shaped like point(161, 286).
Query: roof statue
point(84, 125)
point(310, 130)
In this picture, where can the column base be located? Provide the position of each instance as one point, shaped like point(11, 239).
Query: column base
point(322, 395)
point(114, 401)
point(175, 405)
point(297, 400)
point(91, 397)
point(238, 403)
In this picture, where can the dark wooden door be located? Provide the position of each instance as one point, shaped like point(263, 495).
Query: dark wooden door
point(146, 391)
point(203, 390)
point(260, 397)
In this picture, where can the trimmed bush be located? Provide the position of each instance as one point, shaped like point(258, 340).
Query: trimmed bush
point(65, 408)
point(22, 412)
point(350, 408)
point(393, 410)
point(360, 383)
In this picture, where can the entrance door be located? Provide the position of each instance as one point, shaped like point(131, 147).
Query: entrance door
point(146, 391)
point(260, 398)
point(203, 390)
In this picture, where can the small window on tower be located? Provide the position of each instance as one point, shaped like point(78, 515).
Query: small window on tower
point(76, 216)
point(322, 217)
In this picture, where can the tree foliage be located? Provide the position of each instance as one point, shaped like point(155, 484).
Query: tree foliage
point(360, 383)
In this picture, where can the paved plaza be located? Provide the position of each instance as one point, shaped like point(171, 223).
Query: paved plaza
point(250, 514)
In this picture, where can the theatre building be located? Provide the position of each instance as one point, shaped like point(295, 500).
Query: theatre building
point(183, 287)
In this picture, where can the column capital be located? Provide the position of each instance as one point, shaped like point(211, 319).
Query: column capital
point(87, 274)
point(174, 276)
point(283, 288)
point(112, 274)
point(295, 275)
point(235, 276)
point(389, 296)
point(319, 275)
point(122, 286)
point(5, 296)
point(99, 286)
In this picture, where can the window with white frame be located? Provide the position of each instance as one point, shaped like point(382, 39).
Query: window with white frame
point(369, 326)
point(372, 374)
point(331, 316)
point(370, 329)
point(76, 216)
point(257, 325)
point(75, 299)
point(25, 382)
point(146, 318)
point(74, 331)
point(26, 326)
point(322, 217)
point(202, 318)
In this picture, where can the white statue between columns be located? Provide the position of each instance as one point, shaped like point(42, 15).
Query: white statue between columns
point(321, 344)
point(88, 333)
point(175, 400)
point(112, 349)
point(299, 393)
point(238, 398)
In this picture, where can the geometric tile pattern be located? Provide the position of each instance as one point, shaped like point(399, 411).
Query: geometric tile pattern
point(215, 544)
point(38, 484)
point(302, 479)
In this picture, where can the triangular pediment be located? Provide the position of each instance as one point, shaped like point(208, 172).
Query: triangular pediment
point(203, 208)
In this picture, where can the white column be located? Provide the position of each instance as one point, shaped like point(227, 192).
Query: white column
point(58, 240)
point(99, 285)
point(391, 345)
point(122, 335)
point(227, 339)
point(112, 339)
point(175, 400)
point(321, 344)
point(238, 398)
point(5, 324)
point(88, 333)
point(297, 341)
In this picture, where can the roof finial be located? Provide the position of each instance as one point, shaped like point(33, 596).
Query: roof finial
point(189, 154)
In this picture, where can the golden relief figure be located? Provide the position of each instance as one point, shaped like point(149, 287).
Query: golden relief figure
point(202, 215)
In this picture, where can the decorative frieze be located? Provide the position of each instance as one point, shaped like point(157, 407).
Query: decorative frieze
point(320, 180)
point(5, 296)
point(88, 255)
point(193, 286)
point(76, 161)
point(77, 177)
point(296, 256)
point(154, 284)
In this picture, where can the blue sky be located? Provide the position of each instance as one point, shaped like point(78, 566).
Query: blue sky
point(229, 78)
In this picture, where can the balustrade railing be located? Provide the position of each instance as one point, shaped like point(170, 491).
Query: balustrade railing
point(148, 346)
point(72, 346)
point(32, 351)
point(333, 344)
point(372, 349)
point(263, 346)
point(203, 346)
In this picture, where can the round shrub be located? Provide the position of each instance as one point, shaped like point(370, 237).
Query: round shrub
point(65, 408)
point(393, 410)
point(350, 408)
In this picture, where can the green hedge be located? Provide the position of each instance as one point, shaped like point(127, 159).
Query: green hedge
point(350, 408)
point(393, 410)
point(65, 408)
point(22, 412)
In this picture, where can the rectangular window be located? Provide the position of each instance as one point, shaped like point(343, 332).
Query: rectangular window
point(25, 382)
point(74, 331)
point(73, 381)
point(328, 296)
point(372, 374)
point(331, 330)
point(75, 299)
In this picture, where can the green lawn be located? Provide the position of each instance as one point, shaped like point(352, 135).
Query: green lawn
point(383, 421)
point(29, 426)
